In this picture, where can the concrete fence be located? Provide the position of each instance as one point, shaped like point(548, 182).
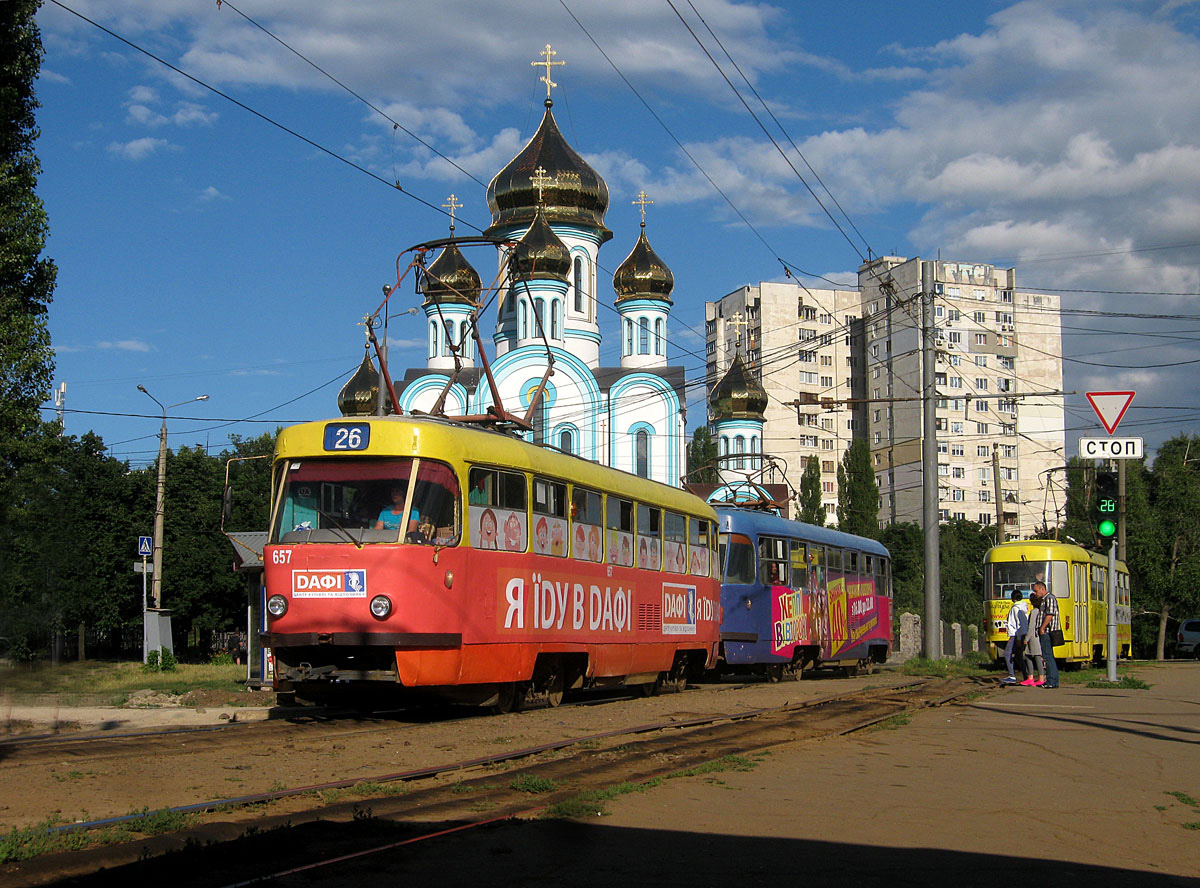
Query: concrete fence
point(957, 639)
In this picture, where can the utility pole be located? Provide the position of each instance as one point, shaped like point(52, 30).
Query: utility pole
point(1120, 510)
point(999, 499)
point(929, 467)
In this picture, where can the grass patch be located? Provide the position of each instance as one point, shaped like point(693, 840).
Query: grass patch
point(92, 683)
point(41, 838)
point(1192, 825)
point(892, 722)
point(591, 803)
point(1125, 682)
point(1184, 797)
point(725, 763)
point(531, 784)
point(973, 665)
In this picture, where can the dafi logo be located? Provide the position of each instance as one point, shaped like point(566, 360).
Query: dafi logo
point(329, 584)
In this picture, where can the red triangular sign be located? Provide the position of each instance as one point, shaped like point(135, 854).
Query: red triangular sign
point(1110, 407)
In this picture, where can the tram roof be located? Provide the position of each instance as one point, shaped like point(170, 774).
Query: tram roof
point(436, 438)
point(1050, 550)
point(742, 520)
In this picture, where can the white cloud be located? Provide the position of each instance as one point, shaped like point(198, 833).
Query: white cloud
point(132, 345)
point(138, 149)
point(53, 76)
point(212, 193)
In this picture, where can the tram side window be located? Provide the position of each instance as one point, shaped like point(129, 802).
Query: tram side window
point(619, 525)
point(699, 541)
point(773, 557)
point(833, 564)
point(738, 559)
point(882, 585)
point(649, 535)
point(799, 565)
point(498, 515)
point(436, 501)
point(549, 517)
point(587, 516)
point(675, 547)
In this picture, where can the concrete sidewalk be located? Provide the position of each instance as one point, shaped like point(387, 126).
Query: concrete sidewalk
point(22, 720)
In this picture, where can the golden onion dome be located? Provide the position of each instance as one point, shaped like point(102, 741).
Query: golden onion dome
point(738, 395)
point(572, 192)
point(540, 255)
point(643, 274)
point(360, 395)
point(451, 278)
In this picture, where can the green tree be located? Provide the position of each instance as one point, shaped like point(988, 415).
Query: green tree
point(702, 457)
point(906, 544)
point(1164, 553)
point(26, 277)
point(858, 492)
point(812, 510)
point(962, 547)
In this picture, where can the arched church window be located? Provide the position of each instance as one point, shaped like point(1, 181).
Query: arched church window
point(566, 440)
point(524, 319)
point(555, 311)
point(641, 460)
point(643, 336)
point(660, 340)
point(628, 336)
point(433, 339)
point(539, 308)
point(754, 462)
point(739, 449)
point(578, 281)
point(449, 338)
point(724, 445)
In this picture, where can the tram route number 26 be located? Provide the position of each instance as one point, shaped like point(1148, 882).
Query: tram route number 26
point(347, 436)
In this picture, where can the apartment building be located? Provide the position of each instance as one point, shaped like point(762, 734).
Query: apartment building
point(1000, 420)
point(841, 363)
point(805, 346)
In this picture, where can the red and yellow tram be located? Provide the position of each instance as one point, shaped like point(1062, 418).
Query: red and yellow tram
point(422, 554)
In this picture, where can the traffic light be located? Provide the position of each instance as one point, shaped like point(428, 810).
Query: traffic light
point(1104, 511)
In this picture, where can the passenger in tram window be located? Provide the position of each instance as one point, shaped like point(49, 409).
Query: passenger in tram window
point(478, 495)
point(391, 518)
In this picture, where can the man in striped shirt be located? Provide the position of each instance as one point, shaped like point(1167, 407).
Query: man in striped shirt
point(1047, 622)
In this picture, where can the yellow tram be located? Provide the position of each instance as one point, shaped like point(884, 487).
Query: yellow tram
point(1075, 576)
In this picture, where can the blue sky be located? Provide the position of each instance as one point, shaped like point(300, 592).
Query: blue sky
point(202, 250)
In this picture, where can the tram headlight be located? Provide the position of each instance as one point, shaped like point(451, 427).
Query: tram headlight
point(381, 607)
point(277, 605)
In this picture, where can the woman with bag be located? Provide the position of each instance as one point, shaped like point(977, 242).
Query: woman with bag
point(1033, 651)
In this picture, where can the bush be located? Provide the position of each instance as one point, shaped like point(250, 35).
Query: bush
point(160, 661)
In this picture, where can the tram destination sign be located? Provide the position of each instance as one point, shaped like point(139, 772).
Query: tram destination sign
point(1111, 448)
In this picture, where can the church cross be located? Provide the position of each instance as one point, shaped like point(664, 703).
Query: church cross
point(452, 205)
point(736, 320)
point(540, 180)
point(547, 64)
point(642, 200)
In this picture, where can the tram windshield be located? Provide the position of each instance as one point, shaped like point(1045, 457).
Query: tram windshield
point(1002, 578)
point(368, 501)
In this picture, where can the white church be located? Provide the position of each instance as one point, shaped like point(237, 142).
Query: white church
point(552, 204)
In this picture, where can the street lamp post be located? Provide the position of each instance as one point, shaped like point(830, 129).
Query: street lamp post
point(156, 586)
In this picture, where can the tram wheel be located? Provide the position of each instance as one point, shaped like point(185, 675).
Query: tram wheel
point(866, 666)
point(507, 698)
point(774, 673)
point(677, 678)
point(551, 683)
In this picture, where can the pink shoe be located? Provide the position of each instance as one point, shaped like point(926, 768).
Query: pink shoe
point(1029, 682)
point(1041, 681)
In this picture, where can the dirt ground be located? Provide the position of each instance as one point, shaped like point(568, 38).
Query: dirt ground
point(1074, 786)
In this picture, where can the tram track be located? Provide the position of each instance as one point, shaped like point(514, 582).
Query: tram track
point(453, 794)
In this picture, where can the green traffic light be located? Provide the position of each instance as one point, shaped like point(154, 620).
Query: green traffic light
point(1106, 528)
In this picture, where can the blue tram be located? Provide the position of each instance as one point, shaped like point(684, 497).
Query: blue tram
point(798, 596)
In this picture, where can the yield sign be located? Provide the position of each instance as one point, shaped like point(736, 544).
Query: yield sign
point(1110, 407)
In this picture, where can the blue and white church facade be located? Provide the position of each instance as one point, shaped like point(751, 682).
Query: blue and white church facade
point(551, 203)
